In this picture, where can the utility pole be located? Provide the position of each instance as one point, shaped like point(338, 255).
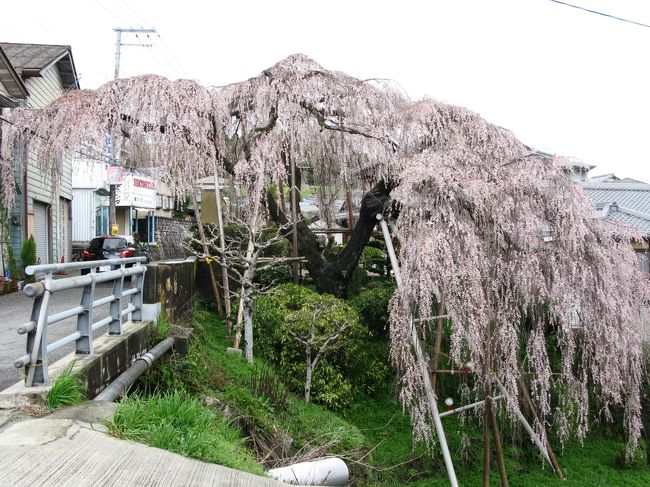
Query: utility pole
point(118, 47)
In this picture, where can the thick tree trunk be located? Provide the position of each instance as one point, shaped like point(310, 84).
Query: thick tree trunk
point(332, 275)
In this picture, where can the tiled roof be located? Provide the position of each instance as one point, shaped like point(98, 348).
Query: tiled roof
point(622, 201)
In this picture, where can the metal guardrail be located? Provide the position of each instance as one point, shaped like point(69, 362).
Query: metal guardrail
point(35, 360)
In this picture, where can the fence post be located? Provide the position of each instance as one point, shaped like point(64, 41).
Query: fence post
point(37, 339)
point(84, 344)
point(136, 300)
point(115, 326)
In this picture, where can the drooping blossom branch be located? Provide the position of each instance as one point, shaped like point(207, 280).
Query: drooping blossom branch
point(514, 243)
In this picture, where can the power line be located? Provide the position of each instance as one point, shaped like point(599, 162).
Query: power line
point(640, 24)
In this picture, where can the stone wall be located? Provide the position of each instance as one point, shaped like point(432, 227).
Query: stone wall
point(169, 236)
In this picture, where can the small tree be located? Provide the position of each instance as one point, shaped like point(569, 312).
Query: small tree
point(319, 334)
point(11, 262)
point(246, 245)
point(28, 256)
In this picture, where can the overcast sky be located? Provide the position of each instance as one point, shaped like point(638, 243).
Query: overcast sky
point(563, 80)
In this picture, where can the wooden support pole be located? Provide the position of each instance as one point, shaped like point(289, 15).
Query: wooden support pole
point(503, 476)
point(206, 251)
point(294, 221)
point(487, 385)
point(222, 247)
point(436, 349)
point(486, 446)
point(533, 412)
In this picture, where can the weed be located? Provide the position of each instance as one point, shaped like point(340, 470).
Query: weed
point(67, 390)
point(179, 423)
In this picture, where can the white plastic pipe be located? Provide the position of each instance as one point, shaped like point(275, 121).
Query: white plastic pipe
point(324, 471)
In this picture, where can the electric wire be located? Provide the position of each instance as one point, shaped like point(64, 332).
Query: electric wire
point(640, 24)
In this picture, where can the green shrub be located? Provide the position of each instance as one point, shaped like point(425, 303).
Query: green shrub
point(28, 256)
point(374, 260)
point(357, 282)
point(341, 372)
point(270, 276)
point(372, 306)
point(11, 263)
point(67, 390)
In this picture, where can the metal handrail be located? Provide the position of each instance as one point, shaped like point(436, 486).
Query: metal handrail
point(87, 264)
point(35, 361)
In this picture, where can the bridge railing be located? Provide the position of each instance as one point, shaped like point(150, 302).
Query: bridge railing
point(35, 361)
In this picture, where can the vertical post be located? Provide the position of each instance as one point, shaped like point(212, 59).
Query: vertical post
point(503, 476)
point(348, 203)
point(137, 297)
point(422, 365)
point(294, 220)
point(112, 214)
point(84, 344)
point(118, 45)
point(115, 326)
point(206, 252)
point(222, 245)
point(37, 368)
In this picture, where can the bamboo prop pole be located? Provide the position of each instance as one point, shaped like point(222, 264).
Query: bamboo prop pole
point(222, 245)
point(468, 406)
point(524, 422)
point(422, 365)
point(206, 251)
point(533, 412)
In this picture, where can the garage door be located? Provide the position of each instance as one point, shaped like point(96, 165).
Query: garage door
point(41, 232)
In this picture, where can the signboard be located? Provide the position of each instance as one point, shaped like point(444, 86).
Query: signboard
point(115, 229)
point(115, 174)
point(136, 190)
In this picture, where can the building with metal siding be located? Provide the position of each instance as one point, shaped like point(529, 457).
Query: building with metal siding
point(43, 206)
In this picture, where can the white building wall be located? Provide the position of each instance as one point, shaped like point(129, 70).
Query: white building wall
point(83, 214)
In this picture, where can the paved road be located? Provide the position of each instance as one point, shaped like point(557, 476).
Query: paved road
point(71, 449)
point(15, 309)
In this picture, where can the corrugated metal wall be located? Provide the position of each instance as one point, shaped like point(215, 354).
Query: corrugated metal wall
point(41, 232)
point(83, 214)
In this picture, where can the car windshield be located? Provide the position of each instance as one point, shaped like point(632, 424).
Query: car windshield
point(107, 244)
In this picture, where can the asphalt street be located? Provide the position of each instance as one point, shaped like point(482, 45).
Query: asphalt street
point(16, 308)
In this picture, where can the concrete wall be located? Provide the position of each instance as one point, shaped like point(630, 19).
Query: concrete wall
point(172, 284)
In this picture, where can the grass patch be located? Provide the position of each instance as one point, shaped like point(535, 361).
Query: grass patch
point(397, 462)
point(373, 431)
point(180, 423)
point(67, 390)
point(277, 423)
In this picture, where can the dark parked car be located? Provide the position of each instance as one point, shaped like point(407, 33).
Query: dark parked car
point(112, 247)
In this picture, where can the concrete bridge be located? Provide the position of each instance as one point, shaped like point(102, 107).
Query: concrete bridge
point(71, 447)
